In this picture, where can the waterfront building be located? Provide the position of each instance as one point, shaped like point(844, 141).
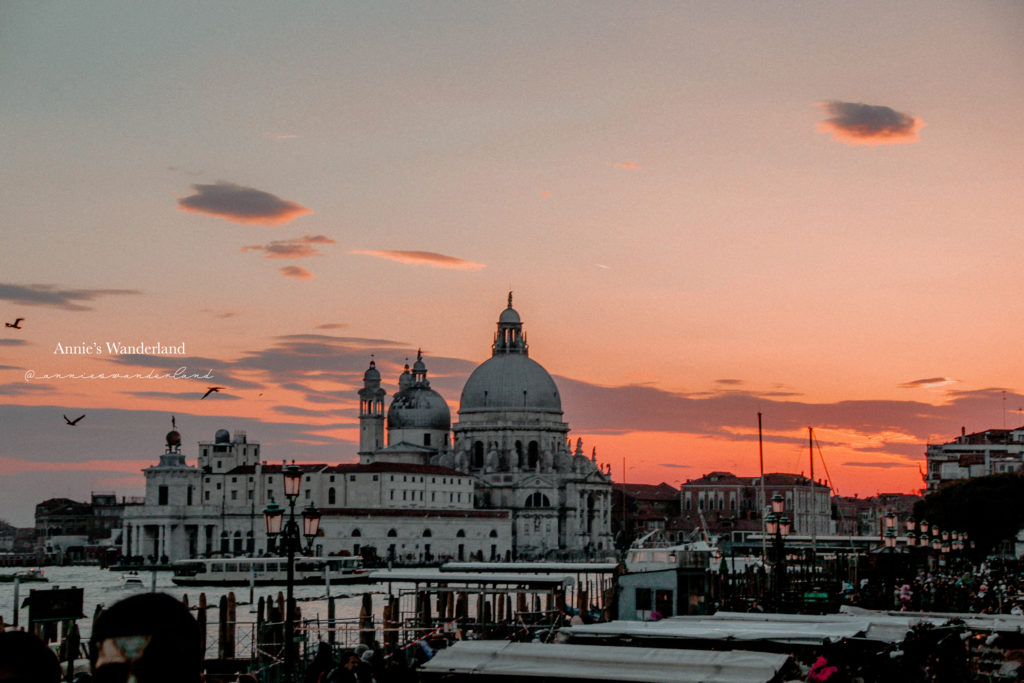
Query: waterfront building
point(722, 502)
point(501, 483)
point(993, 451)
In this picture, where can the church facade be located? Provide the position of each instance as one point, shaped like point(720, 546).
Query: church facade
point(501, 483)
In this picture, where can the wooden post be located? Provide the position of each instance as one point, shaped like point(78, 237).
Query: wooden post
point(229, 628)
point(222, 623)
point(331, 635)
point(366, 621)
point(201, 618)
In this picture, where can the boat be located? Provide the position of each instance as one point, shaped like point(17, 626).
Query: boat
point(25, 576)
point(132, 579)
point(267, 571)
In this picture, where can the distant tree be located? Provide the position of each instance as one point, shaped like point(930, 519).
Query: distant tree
point(988, 508)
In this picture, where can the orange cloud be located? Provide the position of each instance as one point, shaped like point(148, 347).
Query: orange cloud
point(868, 124)
point(300, 247)
point(241, 204)
point(422, 258)
point(297, 273)
point(629, 166)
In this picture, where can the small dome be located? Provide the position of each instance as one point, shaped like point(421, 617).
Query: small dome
point(372, 374)
point(173, 438)
point(510, 316)
point(419, 407)
point(222, 436)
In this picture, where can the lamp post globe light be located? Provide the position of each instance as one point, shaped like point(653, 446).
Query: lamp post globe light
point(287, 534)
point(777, 524)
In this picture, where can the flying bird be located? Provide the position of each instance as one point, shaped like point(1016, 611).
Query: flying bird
point(16, 324)
point(72, 422)
point(210, 391)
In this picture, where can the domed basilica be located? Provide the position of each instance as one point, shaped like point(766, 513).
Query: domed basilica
point(510, 436)
point(503, 482)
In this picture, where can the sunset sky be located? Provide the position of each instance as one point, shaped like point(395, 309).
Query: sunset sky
point(705, 210)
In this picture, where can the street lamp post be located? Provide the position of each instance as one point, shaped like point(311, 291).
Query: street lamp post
point(777, 524)
point(289, 535)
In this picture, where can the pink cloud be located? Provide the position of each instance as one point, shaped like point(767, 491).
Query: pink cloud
point(299, 247)
point(297, 273)
point(629, 166)
point(241, 204)
point(422, 258)
point(868, 124)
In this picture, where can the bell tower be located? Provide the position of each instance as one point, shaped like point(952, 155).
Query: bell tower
point(371, 411)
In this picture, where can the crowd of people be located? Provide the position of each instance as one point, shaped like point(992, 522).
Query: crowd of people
point(994, 587)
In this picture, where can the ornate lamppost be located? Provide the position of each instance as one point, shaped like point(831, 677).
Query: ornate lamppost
point(289, 535)
point(777, 524)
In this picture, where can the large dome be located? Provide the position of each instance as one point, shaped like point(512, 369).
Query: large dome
point(510, 381)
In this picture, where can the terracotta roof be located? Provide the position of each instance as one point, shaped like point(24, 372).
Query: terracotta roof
point(720, 479)
point(660, 491)
point(412, 512)
point(354, 468)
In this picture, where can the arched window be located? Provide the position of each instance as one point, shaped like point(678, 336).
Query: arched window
point(461, 533)
point(392, 533)
point(426, 533)
point(537, 500)
point(478, 454)
point(332, 498)
point(238, 543)
point(356, 533)
point(494, 533)
point(532, 454)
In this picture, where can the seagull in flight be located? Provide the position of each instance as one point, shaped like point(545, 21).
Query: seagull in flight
point(210, 391)
point(73, 422)
point(16, 324)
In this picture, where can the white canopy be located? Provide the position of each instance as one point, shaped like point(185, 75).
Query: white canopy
point(598, 663)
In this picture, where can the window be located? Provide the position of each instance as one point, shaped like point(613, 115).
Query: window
point(308, 494)
point(220, 464)
point(218, 486)
point(494, 533)
point(190, 491)
point(162, 494)
point(351, 477)
point(252, 494)
point(234, 480)
point(537, 500)
point(376, 477)
point(270, 494)
point(331, 478)
point(392, 533)
point(206, 495)
point(331, 497)
point(426, 439)
point(461, 533)
point(426, 533)
point(392, 495)
point(356, 533)
point(234, 494)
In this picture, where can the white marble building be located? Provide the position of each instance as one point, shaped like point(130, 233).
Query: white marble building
point(508, 486)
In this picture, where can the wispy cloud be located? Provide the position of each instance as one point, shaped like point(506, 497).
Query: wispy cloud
point(51, 295)
point(868, 124)
point(298, 247)
point(422, 258)
point(332, 326)
point(241, 204)
point(297, 273)
point(629, 166)
point(927, 382)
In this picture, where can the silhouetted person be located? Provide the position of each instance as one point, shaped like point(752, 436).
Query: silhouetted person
point(25, 658)
point(146, 638)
